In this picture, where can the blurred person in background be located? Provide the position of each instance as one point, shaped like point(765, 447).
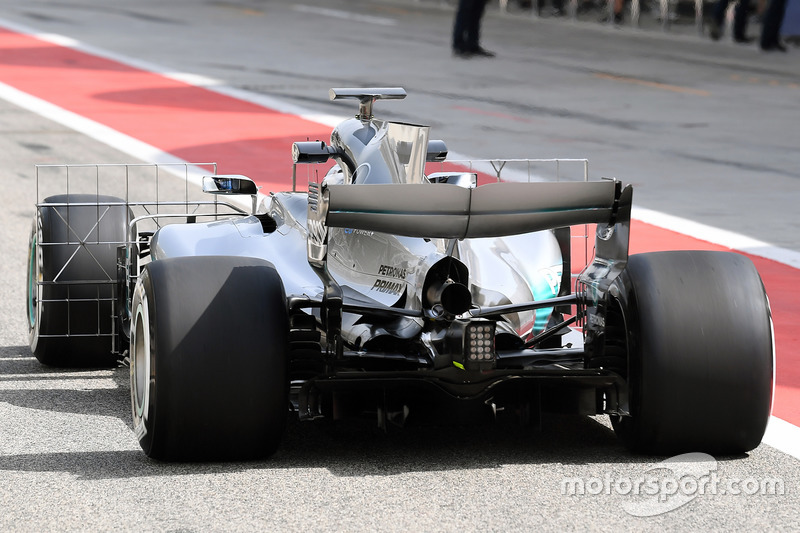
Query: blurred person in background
point(557, 5)
point(617, 15)
point(467, 29)
point(740, 16)
point(771, 26)
point(790, 29)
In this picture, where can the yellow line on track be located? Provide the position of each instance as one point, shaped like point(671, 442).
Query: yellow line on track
point(653, 84)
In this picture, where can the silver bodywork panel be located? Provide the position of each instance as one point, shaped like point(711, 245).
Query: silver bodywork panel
point(378, 267)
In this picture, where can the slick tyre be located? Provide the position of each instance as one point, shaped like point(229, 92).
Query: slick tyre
point(700, 353)
point(208, 359)
point(72, 274)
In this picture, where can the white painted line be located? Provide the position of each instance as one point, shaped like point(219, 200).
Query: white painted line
point(780, 434)
point(783, 436)
point(344, 15)
point(144, 152)
point(188, 78)
point(718, 236)
point(90, 128)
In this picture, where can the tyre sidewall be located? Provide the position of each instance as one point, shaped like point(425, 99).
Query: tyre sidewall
point(34, 278)
point(142, 343)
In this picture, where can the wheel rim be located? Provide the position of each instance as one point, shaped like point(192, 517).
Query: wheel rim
point(32, 283)
point(140, 362)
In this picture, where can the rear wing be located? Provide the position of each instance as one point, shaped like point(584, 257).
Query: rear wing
point(452, 212)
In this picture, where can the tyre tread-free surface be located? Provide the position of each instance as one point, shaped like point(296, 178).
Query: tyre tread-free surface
point(213, 385)
point(701, 353)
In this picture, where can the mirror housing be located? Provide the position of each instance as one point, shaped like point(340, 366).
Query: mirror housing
point(234, 184)
point(229, 184)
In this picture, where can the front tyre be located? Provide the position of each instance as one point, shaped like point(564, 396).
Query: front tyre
point(208, 358)
point(72, 274)
point(700, 353)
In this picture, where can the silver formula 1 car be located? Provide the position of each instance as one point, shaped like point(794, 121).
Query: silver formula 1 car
point(391, 289)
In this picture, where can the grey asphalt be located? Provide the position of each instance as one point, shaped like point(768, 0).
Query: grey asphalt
point(705, 131)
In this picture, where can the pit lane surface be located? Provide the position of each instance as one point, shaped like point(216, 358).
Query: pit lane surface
point(67, 457)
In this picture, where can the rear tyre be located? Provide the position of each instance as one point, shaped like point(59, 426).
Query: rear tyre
point(208, 358)
point(70, 322)
point(700, 353)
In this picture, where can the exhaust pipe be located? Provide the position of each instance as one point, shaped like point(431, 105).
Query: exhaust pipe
point(453, 297)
